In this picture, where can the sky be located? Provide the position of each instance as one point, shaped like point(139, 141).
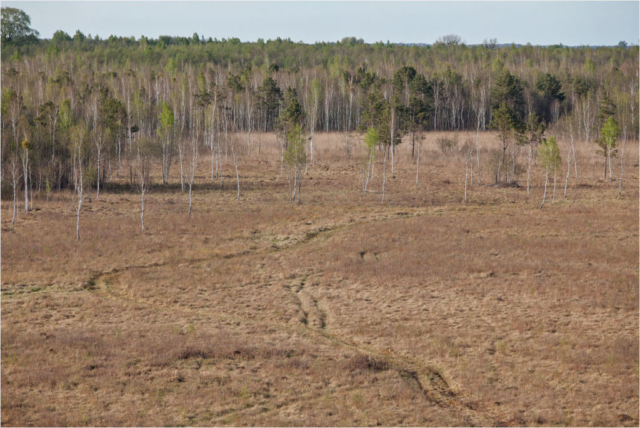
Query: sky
point(572, 23)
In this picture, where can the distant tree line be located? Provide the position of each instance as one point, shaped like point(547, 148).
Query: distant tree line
point(112, 102)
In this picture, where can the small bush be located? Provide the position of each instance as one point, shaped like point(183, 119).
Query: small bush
point(447, 145)
point(366, 363)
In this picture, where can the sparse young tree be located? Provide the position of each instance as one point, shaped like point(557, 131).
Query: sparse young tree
point(78, 165)
point(549, 157)
point(26, 147)
point(507, 124)
point(571, 149)
point(624, 141)
point(145, 152)
point(99, 137)
point(316, 94)
point(165, 132)
point(419, 146)
point(290, 118)
point(384, 169)
point(535, 134)
point(193, 166)
point(371, 140)
point(479, 106)
point(14, 170)
point(295, 159)
point(467, 152)
point(607, 142)
point(234, 156)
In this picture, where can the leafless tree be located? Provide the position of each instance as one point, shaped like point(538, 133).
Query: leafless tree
point(467, 153)
point(193, 163)
point(14, 170)
point(250, 113)
point(234, 156)
point(78, 135)
point(316, 91)
point(99, 138)
point(26, 146)
point(384, 170)
point(419, 139)
point(143, 178)
point(480, 109)
point(450, 40)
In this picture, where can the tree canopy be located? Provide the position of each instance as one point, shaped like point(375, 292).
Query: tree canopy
point(16, 27)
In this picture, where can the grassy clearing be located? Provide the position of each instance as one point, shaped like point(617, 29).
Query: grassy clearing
point(423, 310)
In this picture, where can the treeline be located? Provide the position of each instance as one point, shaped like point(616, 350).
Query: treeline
point(102, 100)
point(555, 79)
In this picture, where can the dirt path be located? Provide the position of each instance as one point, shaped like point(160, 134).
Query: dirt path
point(312, 318)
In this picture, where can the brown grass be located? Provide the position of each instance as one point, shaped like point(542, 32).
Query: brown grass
point(423, 310)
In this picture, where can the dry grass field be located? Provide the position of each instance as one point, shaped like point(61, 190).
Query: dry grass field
point(422, 310)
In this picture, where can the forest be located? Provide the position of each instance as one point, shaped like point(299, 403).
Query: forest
point(108, 102)
point(206, 232)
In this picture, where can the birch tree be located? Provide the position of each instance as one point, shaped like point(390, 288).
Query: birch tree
point(165, 132)
point(78, 166)
point(99, 138)
point(316, 94)
point(549, 157)
point(607, 142)
point(26, 148)
point(535, 133)
point(467, 153)
point(479, 105)
point(14, 171)
point(371, 140)
point(295, 159)
point(143, 169)
point(234, 157)
point(193, 165)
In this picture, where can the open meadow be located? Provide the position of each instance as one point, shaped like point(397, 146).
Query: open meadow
point(343, 310)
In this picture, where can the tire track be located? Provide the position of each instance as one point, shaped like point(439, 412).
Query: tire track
point(428, 380)
point(308, 237)
point(312, 320)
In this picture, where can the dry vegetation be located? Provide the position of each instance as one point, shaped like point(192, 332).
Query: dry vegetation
point(423, 310)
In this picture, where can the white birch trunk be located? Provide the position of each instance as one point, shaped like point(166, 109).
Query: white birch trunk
point(555, 171)
point(544, 196)
point(384, 173)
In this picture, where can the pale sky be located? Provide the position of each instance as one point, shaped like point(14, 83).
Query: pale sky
point(539, 23)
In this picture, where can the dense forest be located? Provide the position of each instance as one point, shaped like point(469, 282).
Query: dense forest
point(101, 100)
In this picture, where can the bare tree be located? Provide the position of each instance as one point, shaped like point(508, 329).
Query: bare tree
point(588, 121)
point(234, 156)
point(180, 138)
point(480, 109)
point(14, 170)
point(420, 138)
point(535, 133)
point(467, 153)
point(26, 147)
point(250, 108)
point(450, 40)
point(570, 156)
point(316, 92)
point(213, 126)
point(143, 179)
point(384, 170)
point(77, 138)
point(193, 164)
point(624, 140)
point(99, 138)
